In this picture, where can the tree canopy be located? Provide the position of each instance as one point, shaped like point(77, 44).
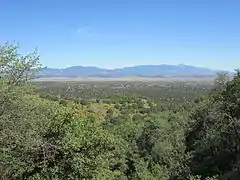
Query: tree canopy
point(136, 134)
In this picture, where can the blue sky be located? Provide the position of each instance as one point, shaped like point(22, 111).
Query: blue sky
point(117, 33)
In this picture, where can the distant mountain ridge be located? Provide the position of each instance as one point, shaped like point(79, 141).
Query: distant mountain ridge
point(163, 70)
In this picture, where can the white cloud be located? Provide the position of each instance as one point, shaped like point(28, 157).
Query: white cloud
point(81, 30)
point(85, 31)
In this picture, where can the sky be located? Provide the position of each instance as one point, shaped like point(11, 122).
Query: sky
point(119, 33)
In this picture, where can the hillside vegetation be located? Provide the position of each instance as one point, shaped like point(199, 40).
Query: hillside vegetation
point(116, 131)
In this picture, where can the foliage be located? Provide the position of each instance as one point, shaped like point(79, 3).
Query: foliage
point(213, 138)
point(116, 130)
point(16, 68)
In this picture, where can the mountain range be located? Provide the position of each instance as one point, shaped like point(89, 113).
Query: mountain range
point(163, 70)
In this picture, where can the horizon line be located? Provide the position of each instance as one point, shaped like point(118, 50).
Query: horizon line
point(129, 66)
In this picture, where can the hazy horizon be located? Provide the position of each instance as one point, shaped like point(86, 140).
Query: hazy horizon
point(132, 66)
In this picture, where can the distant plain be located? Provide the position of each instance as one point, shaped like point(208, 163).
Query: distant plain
point(206, 79)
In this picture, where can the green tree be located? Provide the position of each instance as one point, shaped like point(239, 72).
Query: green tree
point(213, 138)
point(221, 79)
point(16, 68)
point(43, 139)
